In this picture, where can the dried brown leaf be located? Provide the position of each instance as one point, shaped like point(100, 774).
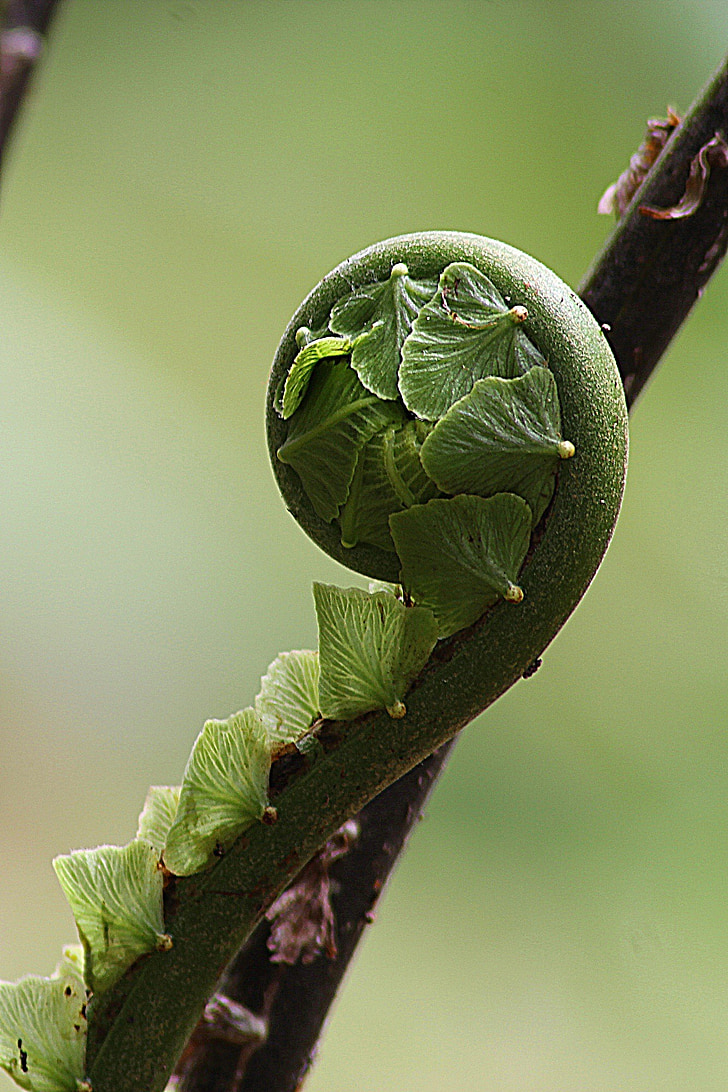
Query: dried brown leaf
point(224, 1020)
point(714, 154)
point(302, 918)
point(617, 197)
point(231, 1022)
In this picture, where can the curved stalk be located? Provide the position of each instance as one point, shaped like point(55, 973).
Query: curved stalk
point(643, 313)
point(293, 1000)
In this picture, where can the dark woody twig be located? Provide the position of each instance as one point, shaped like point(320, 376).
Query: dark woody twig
point(651, 272)
point(23, 28)
point(294, 1000)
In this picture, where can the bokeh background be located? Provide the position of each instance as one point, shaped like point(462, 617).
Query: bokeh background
point(183, 174)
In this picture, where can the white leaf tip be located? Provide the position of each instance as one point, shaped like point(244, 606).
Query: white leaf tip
point(566, 449)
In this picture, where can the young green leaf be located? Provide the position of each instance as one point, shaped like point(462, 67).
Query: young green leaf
point(371, 647)
point(157, 816)
point(288, 702)
point(503, 437)
point(460, 554)
point(389, 476)
point(334, 422)
point(380, 317)
point(465, 333)
point(298, 378)
point(304, 337)
point(43, 1031)
point(224, 790)
point(115, 893)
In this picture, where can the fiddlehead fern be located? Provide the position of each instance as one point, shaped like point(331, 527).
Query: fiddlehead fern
point(448, 490)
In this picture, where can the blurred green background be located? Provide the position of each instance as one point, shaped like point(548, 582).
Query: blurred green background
point(182, 176)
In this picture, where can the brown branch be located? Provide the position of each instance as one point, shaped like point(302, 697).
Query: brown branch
point(25, 24)
point(294, 1000)
point(644, 283)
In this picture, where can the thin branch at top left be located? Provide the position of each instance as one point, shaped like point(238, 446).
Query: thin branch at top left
point(24, 25)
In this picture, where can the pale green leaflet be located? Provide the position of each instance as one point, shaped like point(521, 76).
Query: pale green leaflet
point(502, 437)
point(115, 893)
point(288, 702)
point(43, 1030)
point(160, 808)
point(380, 317)
point(298, 378)
point(461, 554)
point(328, 430)
point(463, 334)
point(371, 648)
point(389, 475)
point(224, 790)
